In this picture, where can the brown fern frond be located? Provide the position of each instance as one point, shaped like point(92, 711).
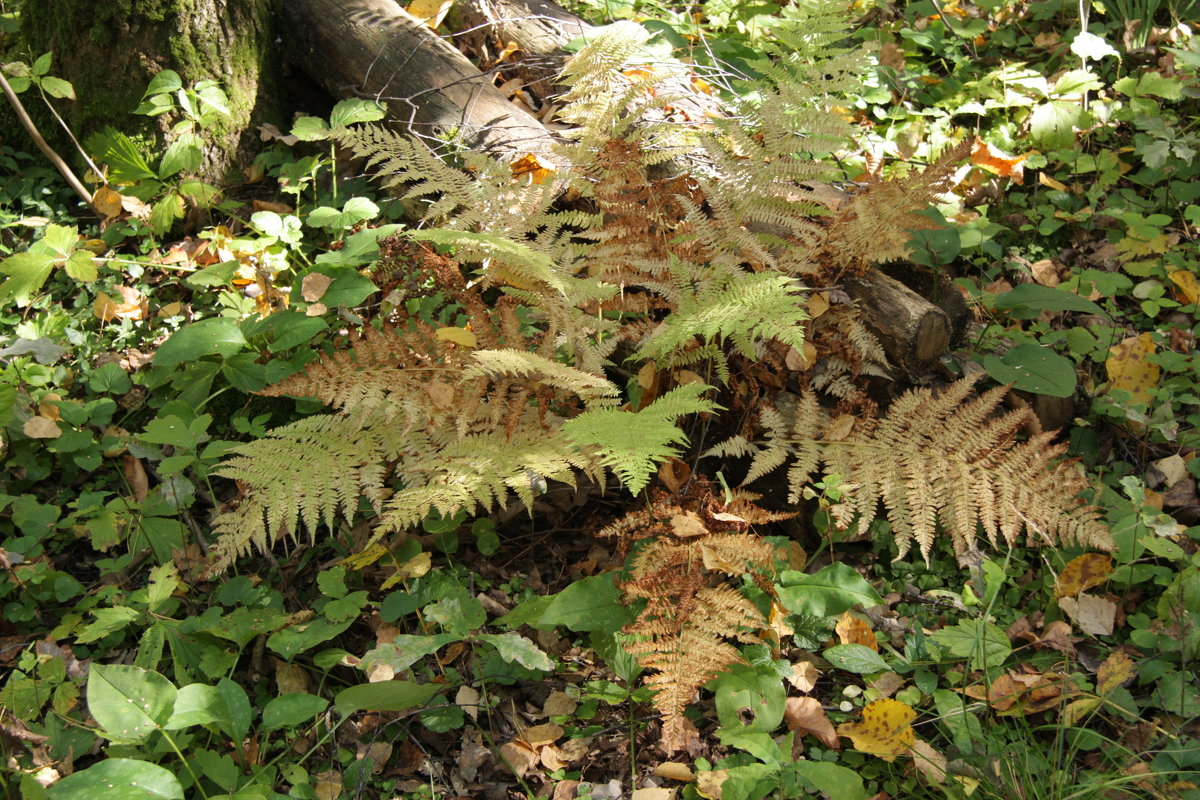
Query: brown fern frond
point(947, 458)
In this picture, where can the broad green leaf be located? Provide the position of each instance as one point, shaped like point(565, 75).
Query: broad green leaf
point(354, 110)
point(310, 129)
point(1150, 84)
point(514, 647)
point(1032, 368)
point(1053, 124)
point(1076, 81)
point(26, 273)
point(164, 213)
point(759, 691)
point(295, 639)
point(836, 781)
point(119, 779)
point(167, 80)
point(956, 716)
point(357, 249)
point(384, 696)
point(183, 155)
point(130, 703)
point(8, 404)
point(405, 650)
point(57, 87)
point(224, 705)
point(831, 591)
point(983, 643)
point(356, 210)
point(244, 373)
point(214, 336)
point(1037, 298)
point(42, 65)
point(213, 275)
point(589, 604)
point(291, 710)
point(107, 621)
point(855, 658)
point(81, 266)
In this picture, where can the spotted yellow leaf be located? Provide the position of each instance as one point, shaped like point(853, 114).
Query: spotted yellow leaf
point(1082, 573)
point(1129, 369)
point(885, 729)
point(1115, 670)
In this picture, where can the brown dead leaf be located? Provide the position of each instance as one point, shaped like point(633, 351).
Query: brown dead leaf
point(135, 476)
point(804, 715)
point(674, 473)
point(654, 793)
point(675, 771)
point(269, 205)
point(559, 704)
point(128, 303)
point(291, 678)
point(1045, 272)
point(1082, 573)
point(929, 762)
point(804, 676)
point(710, 784)
point(540, 735)
point(840, 428)
point(688, 525)
point(41, 428)
point(518, 758)
point(316, 310)
point(314, 285)
point(1092, 614)
point(853, 630)
point(817, 304)
point(887, 683)
point(327, 785)
point(891, 55)
point(467, 698)
point(442, 394)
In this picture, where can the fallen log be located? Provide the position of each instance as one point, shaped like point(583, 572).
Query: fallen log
point(374, 49)
point(914, 332)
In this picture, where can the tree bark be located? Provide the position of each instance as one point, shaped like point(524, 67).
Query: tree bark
point(914, 332)
point(373, 48)
point(110, 49)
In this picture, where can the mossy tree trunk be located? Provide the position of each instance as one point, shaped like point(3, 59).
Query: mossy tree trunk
point(109, 49)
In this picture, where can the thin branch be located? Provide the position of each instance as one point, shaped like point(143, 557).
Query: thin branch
point(46, 149)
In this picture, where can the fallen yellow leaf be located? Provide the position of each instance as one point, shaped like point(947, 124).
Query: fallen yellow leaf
point(885, 730)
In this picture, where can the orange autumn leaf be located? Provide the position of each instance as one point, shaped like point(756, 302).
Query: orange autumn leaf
point(529, 167)
point(885, 730)
point(1082, 573)
point(129, 304)
point(1129, 370)
point(852, 630)
point(998, 162)
point(804, 715)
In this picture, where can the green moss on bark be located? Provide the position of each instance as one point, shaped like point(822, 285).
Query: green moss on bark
point(110, 50)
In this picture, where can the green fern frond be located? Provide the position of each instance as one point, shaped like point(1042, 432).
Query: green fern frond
point(633, 444)
point(756, 308)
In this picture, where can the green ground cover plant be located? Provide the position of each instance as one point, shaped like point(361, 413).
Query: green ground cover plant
point(530, 566)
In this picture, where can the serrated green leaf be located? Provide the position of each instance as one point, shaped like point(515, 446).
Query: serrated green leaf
point(983, 643)
point(310, 129)
point(354, 110)
point(27, 272)
point(857, 658)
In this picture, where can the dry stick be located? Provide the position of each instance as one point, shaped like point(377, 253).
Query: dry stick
point(46, 149)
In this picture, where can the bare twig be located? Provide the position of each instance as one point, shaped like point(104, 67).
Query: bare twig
point(46, 149)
